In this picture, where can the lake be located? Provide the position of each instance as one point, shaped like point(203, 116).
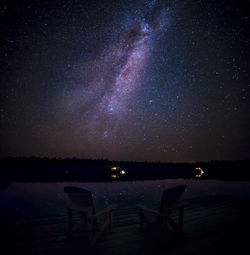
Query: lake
point(21, 202)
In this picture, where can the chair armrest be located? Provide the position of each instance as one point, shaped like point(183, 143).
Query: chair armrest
point(170, 208)
point(104, 211)
point(144, 208)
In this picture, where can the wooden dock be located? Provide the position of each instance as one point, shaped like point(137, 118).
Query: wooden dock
point(217, 224)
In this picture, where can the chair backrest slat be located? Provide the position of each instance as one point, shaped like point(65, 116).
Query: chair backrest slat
point(171, 196)
point(79, 196)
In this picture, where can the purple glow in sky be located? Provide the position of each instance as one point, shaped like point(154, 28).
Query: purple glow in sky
point(150, 80)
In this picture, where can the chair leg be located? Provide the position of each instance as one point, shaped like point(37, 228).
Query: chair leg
point(89, 224)
point(69, 220)
point(164, 222)
point(142, 218)
point(110, 220)
point(181, 216)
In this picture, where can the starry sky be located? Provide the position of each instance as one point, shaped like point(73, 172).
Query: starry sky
point(125, 80)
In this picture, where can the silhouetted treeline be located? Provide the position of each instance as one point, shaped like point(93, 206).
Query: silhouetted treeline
point(34, 169)
point(226, 170)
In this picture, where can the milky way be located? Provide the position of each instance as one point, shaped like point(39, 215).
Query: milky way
point(104, 95)
point(126, 80)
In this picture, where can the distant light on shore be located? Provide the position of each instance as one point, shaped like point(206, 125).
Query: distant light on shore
point(201, 172)
point(122, 172)
point(117, 172)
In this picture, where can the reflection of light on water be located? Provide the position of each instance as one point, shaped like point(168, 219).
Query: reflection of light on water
point(117, 172)
point(201, 172)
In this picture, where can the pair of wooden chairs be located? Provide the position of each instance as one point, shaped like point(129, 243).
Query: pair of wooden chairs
point(94, 223)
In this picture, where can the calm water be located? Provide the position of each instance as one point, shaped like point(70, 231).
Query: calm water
point(26, 201)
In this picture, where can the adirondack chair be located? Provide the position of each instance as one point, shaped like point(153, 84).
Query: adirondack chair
point(93, 223)
point(169, 203)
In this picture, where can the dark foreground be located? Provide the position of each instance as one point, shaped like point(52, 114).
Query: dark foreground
point(216, 224)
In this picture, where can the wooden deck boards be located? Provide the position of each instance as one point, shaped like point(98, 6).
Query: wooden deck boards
point(209, 221)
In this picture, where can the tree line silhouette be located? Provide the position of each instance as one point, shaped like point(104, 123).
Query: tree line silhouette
point(36, 169)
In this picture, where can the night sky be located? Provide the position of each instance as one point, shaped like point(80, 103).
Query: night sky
point(125, 80)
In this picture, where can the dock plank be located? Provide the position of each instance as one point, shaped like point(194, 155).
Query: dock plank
point(207, 220)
